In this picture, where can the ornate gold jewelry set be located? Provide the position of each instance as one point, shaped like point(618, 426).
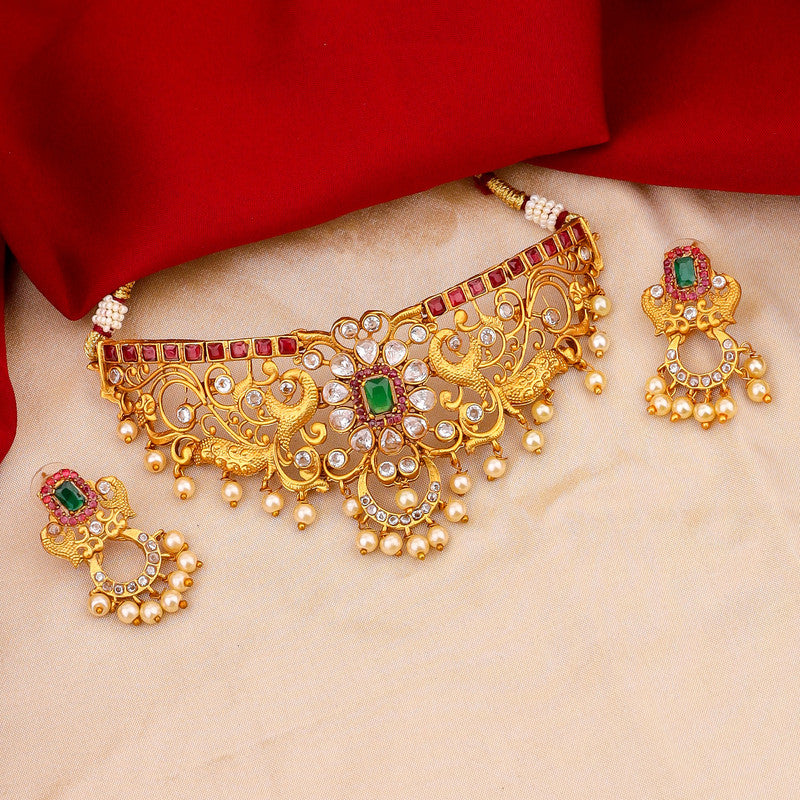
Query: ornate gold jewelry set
point(382, 407)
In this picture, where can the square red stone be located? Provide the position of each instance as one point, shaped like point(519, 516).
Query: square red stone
point(436, 306)
point(578, 232)
point(564, 238)
point(171, 352)
point(549, 247)
point(456, 297)
point(149, 352)
point(476, 286)
point(263, 347)
point(287, 346)
point(515, 266)
point(534, 256)
point(496, 278)
point(193, 352)
point(110, 352)
point(129, 352)
point(239, 349)
point(216, 351)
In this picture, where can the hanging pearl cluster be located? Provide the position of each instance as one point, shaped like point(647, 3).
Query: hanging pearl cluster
point(110, 314)
point(543, 212)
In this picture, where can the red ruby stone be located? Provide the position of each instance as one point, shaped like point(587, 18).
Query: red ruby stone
point(129, 352)
point(534, 256)
point(515, 266)
point(171, 352)
point(578, 231)
point(456, 296)
point(496, 278)
point(193, 352)
point(110, 352)
point(149, 352)
point(550, 247)
point(436, 306)
point(287, 346)
point(216, 351)
point(239, 349)
point(476, 287)
point(263, 347)
point(565, 238)
point(562, 218)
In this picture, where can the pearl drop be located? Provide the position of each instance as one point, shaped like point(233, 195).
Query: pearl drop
point(417, 546)
point(232, 492)
point(304, 515)
point(758, 390)
point(351, 507)
point(656, 385)
point(154, 460)
point(170, 600)
point(183, 488)
point(601, 305)
point(542, 411)
point(660, 405)
point(755, 367)
point(127, 431)
point(725, 408)
point(704, 413)
point(460, 483)
point(682, 407)
point(438, 536)
point(128, 612)
point(598, 341)
point(595, 381)
point(187, 561)
point(272, 503)
point(99, 605)
point(367, 541)
point(533, 441)
point(150, 612)
point(179, 580)
point(406, 498)
point(494, 468)
point(172, 541)
point(392, 544)
point(455, 511)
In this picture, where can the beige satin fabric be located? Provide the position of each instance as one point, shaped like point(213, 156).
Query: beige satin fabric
point(619, 619)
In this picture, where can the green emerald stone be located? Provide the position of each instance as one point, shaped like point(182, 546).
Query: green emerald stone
point(378, 395)
point(70, 496)
point(684, 272)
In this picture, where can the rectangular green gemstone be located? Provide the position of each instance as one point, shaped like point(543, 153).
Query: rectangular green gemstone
point(70, 496)
point(378, 395)
point(684, 272)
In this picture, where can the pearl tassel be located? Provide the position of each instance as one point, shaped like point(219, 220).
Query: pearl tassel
point(110, 314)
point(543, 212)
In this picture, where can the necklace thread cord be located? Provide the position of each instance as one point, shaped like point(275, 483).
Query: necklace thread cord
point(512, 197)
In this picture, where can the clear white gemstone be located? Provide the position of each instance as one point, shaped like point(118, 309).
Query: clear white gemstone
point(365, 500)
point(418, 334)
point(152, 546)
point(433, 497)
point(341, 419)
point(552, 316)
point(671, 354)
point(407, 465)
point(394, 352)
point(716, 376)
point(223, 384)
point(393, 519)
point(673, 367)
point(415, 427)
point(387, 470)
point(730, 356)
point(334, 392)
point(425, 508)
point(53, 529)
point(349, 329)
point(95, 526)
point(726, 368)
point(371, 509)
point(287, 387)
point(416, 514)
point(150, 570)
point(118, 588)
point(488, 337)
point(728, 344)
point(718, 281)
point(445, 430)
point(302, 459)
point(381, 515)
point(99, 576)
point(405, 519)
point(142, 537)
point(436, 486)
point(367, 350)
point(114, 375)
point(312, 359)
point(337, 458)
point(362, 440)
point(342, 366)
point(416, 372)
point(422, 399)
point(657, 291)
point(104, 487)
point(705, 380)
point(391, 441)
point(584, 252)
point(372, 322)
point(254, 398)
point(143, 580)
point(184, 414)
point(132, 586)
point(693, 381)
point(505, 310)
point(454, 342)
point(474, 413)
point(690, 313)
point(681, 376)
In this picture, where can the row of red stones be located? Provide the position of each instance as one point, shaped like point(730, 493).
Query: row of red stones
point(498, 276)
point(199, 351)
point(703, 282)
point(46, 493)
point(390, 418)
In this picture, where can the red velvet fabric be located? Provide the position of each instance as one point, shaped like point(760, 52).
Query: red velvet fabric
point(134, 136)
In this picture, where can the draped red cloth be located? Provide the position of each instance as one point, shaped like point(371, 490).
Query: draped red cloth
point(138, 136)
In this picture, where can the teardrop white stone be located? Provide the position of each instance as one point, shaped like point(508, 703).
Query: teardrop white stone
point(367, 350)
point(415, 427)
point(394, 352)
point(341, 418)
point(362, 440)
point(416, 372)
point(342, 366)
point(391, 441)
point(422, 399)
point(334, 392)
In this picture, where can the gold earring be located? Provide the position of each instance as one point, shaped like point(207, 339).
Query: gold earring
point(692, 296)
point(84, 517)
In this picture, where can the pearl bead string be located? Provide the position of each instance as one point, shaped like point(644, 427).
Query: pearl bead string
point(547, 214)
point(110, 314)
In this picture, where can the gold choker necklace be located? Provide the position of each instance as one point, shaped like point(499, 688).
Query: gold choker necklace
point(380, 406)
